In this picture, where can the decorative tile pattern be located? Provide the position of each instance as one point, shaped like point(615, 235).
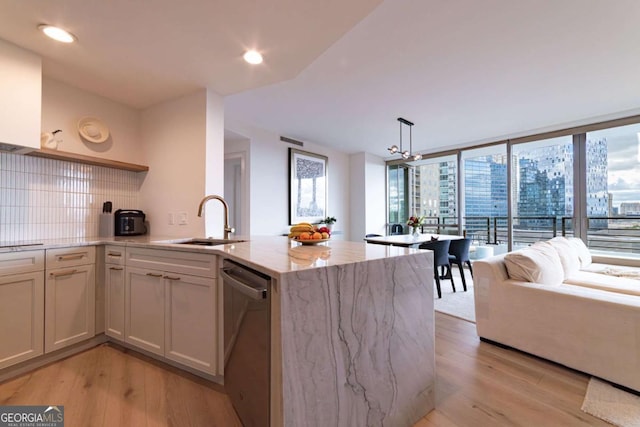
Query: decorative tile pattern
point(50, 199)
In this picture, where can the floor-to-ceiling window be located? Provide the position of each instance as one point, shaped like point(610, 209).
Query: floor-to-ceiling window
point(427, 188)
point(397, 190)
point(484, 194)
point(613, 189)
point(542, 189)
point(582, 182)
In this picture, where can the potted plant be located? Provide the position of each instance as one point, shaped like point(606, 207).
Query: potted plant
point(328, 222)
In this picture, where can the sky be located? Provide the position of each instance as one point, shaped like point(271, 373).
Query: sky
point(623, 162)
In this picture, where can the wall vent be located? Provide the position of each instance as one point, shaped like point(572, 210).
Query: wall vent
point(291, 141)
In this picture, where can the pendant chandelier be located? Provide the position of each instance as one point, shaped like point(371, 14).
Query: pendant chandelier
point(406, 154)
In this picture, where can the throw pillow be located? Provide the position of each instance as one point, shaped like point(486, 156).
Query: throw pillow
point(582, 250)
point(538, 263)
point(568, 255)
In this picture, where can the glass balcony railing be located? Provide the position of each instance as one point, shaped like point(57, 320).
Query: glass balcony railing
point(614, 235)
point(606, 235)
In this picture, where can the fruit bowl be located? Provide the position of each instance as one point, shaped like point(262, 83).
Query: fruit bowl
point(310, 241)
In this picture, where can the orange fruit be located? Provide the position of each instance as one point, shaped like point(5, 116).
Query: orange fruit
point(316, 236)
point(304, 236)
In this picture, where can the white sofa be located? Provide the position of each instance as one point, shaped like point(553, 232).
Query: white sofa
point(550, 300)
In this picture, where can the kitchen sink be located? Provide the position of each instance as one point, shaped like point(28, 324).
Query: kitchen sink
point(208, 241)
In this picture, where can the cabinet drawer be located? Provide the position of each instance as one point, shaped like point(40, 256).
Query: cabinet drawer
point(68, 257)
point(195, 264)
point(114, 255)
point(21, 262)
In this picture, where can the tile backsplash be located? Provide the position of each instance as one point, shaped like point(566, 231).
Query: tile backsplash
point(46, 199)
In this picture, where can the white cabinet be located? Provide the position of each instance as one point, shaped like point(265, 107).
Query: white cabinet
point(21, 306)
point(190, 327)
point(69, 297)
point(21, 100)
point(170, 305)
point(114, 272)
point(144, 309)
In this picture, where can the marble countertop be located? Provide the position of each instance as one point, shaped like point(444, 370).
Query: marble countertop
point(280, 256)
point(273, 255)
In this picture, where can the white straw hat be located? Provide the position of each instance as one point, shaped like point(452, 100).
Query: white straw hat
point(93, 130)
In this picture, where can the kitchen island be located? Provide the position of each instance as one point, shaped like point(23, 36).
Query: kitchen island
point(352, 334)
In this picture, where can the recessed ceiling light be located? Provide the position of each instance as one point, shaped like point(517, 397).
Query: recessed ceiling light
point(253, 57)
point(57, 33)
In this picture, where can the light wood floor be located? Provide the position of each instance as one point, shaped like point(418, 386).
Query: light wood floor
point(478, 384)
point(111, 387)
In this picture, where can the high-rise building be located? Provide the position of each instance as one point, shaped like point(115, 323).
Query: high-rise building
point(630, 208)
point(448, 190)
point(542, 188)
point(598, 196)
point(542, 183)
point(485, 186)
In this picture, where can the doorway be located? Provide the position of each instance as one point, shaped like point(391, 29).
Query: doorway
point(236, 192)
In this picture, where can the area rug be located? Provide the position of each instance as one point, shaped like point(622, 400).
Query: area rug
point(611, 404)
point(458, 304)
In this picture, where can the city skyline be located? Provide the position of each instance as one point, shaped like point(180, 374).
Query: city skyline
point(613, 178)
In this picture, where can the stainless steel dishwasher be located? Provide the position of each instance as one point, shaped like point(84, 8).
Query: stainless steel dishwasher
point(246, 341)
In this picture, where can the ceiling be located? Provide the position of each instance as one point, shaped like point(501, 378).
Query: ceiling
point(339, 73)
point(143, 52)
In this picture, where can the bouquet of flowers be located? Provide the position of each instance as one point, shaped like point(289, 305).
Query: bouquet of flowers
point(415, 222)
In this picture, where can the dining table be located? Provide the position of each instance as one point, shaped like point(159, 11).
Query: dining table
point(409, 240)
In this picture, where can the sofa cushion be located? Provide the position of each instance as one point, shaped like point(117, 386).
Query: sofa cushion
point(568, 255)
point(611, 283)
point(538, 263)
point(582, 250)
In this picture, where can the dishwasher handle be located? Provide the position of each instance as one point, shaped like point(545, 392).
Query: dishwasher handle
point(251, 292)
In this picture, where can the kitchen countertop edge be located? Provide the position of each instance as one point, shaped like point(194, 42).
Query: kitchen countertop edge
point(268, 254)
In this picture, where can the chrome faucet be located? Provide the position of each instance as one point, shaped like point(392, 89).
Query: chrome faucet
point(227, 229)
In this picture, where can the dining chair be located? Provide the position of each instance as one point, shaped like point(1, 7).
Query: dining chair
point(396, 229)
point(440, 250)
point(459, 254)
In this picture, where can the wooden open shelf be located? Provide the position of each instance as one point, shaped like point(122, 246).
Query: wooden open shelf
point(87, 160)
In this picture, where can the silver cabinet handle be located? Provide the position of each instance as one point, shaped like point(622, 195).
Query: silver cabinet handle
point(154, 274)
point(116, 268)
point(253, 293)
point(62, 273)
point(171, 278)
point(70, 257)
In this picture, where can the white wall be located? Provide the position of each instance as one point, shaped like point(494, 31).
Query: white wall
point(376, 194)
point(269, 182)
point(180, 137)
point(64, 105)
point(214, 167)
point(358, 202)
point(368, 195)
